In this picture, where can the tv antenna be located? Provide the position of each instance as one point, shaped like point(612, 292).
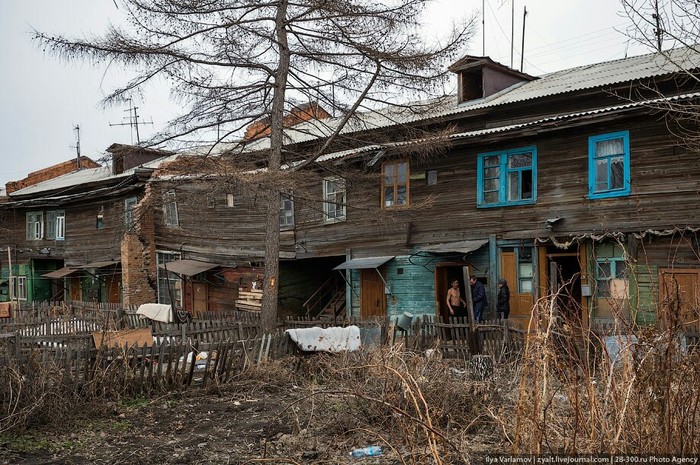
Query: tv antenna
point(133, 121)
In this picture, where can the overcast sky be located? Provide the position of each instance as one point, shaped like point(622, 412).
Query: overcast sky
point(42, 99)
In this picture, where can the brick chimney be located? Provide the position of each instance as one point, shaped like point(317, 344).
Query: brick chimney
point(306, 112)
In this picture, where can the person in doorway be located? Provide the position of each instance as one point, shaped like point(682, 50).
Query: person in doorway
point(503, 303)
point(478, 298)
point(455, 303)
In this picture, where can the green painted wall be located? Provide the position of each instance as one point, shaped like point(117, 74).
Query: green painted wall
point(644, 285)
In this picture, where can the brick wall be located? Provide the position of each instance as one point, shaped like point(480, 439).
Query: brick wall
point(138, 255)
point(297, 115)
point(49, 173)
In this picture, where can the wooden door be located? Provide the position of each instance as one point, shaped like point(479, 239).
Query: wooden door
point(372, 297)
point(200, 297)
point(679, 298)
point(113, 294)
point(520, 304)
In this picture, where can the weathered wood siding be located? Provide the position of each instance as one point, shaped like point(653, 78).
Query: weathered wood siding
point(664, 178)
point(208, 228)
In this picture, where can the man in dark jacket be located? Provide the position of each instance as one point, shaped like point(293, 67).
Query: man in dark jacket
point(478, 298)
point(503, 303)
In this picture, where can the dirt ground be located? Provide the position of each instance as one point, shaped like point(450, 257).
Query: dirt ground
point(273, 416)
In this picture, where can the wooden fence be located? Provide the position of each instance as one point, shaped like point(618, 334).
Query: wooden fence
point(149, 368)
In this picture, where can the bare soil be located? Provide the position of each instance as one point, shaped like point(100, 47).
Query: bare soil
point(273, 416)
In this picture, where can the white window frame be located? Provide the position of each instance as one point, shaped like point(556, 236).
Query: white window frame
point(18, 288)
point(334, 211)
point(35, 226)
point(170, 209)
point(56, 225)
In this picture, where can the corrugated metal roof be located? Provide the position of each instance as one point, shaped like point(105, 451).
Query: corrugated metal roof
point(86, 176)
point(363, 263)
point(188, 267)
point(512, 127)
point(464, 247)
point(592, 76)
point(60, 273)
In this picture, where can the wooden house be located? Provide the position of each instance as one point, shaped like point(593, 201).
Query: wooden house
point(573, 184)
point(69, 236)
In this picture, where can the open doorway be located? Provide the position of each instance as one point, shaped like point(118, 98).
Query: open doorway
point(444, 275)
point(564, 272)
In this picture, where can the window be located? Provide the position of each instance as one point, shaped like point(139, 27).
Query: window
point(395, 187)
point(431, 177)
point(35, 226)
point(507, 178)
point(169, 283)
point(525, 270)
point(334, 200)
point(229, 200)
point(100, 220)
point(56, 225)
point(609, 165)
point(611, 272)
point(18, 288)
point(170, 209)
point(129, 211)
point(286, 211)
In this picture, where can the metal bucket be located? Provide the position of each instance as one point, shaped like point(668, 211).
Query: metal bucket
point(404, 321)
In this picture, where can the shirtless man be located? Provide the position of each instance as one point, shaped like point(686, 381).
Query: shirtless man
point(455, 303)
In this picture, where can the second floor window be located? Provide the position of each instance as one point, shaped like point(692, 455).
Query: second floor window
point(170, 209)
point(334, 200)
point(35, 226)
point(395, 186)
point(609, 165)
point(56, 225)
point(286, 211)
point(129, 212)
point(507, 178)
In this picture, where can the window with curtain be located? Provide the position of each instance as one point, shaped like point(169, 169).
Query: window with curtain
point(609, 165)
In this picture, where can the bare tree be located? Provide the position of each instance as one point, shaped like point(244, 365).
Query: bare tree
point(672, 29)
point(234, 62)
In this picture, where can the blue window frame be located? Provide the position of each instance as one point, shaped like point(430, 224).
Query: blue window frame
point(507, 178)
point(609, 165)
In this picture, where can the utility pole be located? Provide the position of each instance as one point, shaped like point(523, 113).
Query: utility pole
point(512, 31)
point(133, 122)
point(77, 146)
point(522, 48)
point(657, 17)
point(483, 28)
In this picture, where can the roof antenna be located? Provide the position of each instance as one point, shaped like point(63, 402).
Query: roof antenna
point(133, 122)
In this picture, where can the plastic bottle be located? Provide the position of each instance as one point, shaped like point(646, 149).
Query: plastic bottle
point(369, 451)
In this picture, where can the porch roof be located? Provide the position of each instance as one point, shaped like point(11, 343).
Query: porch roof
point(363, 263)
point(101, 264)
point(60, 273)
point(188, 267)
point(451, 247)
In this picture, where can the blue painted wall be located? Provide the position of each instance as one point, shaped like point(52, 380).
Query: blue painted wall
point(412, 283)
